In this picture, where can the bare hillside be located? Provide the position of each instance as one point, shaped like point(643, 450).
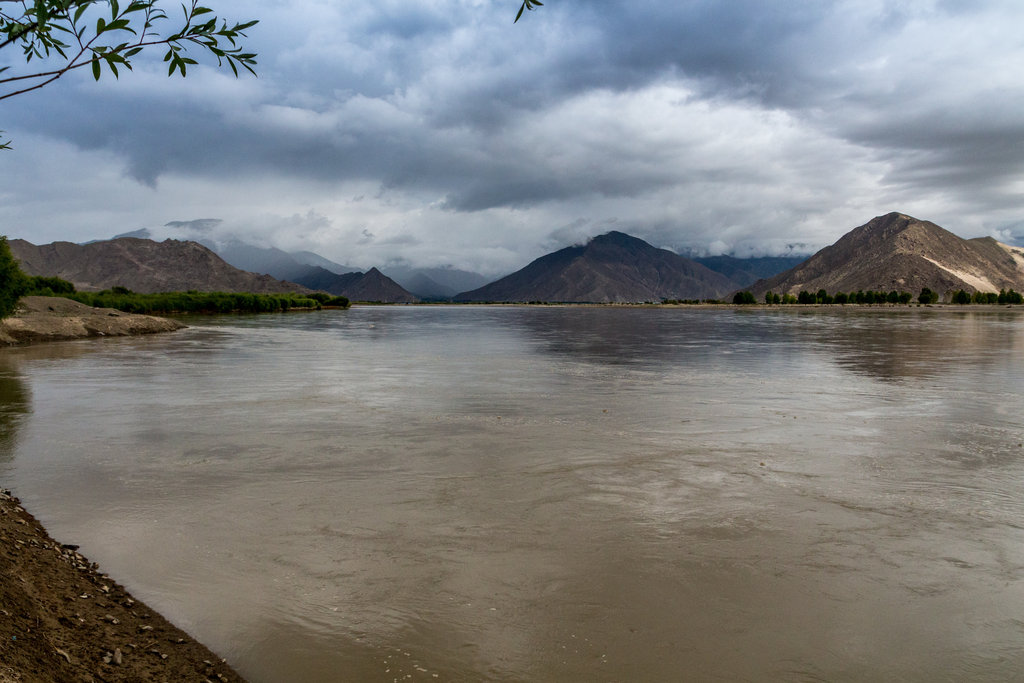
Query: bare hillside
point(900, 252)
point(142, 265)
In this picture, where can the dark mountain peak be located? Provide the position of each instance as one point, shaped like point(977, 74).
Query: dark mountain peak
point(614, 267)
point(617, 238)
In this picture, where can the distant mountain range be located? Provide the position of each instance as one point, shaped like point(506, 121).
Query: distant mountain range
point(305, 268)
point(746, 271)
point(611, 268)
point(900, 252)
point(435, 283)
point(146, 266)
point(890, 252)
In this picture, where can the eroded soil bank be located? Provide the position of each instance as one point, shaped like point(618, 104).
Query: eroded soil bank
point(44, 318)
point(62, 620)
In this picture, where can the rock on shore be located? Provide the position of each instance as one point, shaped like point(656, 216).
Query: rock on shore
point(44, 318)
point(61, 620)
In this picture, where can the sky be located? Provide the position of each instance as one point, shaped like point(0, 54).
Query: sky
point(438, 133)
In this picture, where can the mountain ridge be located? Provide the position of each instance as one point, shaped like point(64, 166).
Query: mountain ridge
point(896, 251)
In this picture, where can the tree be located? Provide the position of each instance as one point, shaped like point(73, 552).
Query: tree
point(927, 296)
point(12, 280)
point(528, 5)
point(64, 35)
point(744, 298)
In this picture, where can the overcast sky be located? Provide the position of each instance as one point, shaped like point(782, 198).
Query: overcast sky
point(437, 132)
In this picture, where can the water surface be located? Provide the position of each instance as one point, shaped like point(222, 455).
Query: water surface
point(571, 494)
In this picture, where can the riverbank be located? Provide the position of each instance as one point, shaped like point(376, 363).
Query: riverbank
point(62, 620)
point(43, 318)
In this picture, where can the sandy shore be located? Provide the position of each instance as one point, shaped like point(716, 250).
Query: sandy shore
point(43, 318)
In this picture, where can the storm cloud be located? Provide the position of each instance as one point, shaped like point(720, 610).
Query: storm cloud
point(439, 133)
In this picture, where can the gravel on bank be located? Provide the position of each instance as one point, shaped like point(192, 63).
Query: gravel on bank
point(62, 620)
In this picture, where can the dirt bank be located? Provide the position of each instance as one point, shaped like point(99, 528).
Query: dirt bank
point(43, 318)
point(61, 620)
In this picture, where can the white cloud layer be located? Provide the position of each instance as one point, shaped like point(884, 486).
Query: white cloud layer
point(437, 133)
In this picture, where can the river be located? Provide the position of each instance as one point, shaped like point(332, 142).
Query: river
point(471, 493)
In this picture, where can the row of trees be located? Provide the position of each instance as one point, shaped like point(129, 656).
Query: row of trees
point(926, 296)
point(1003, 297)
point(823, 297)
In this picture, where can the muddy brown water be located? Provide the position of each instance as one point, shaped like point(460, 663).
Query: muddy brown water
point(549, 494)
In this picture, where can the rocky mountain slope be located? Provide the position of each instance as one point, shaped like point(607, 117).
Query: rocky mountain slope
point(900, 252)
point(614, 267)
point(143, 266)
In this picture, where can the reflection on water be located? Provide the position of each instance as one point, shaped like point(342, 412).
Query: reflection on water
point(578, 494)
point(14, 405)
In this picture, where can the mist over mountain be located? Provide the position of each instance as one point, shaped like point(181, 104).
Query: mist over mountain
point(435, 283)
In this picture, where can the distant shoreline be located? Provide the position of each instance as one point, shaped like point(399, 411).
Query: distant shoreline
point(721, 306)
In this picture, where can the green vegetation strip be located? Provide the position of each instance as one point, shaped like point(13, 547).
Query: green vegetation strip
point(926, 296)
point(124, 299)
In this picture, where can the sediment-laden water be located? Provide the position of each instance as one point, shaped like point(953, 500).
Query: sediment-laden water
point(570, 494)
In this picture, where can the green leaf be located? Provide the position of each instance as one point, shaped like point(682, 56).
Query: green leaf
point(96, 67)
point(201, 10)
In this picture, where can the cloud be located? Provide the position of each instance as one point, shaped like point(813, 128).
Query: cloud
point(436, 132)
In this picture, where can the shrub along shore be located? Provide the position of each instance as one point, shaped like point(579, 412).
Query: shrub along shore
point(124, 299)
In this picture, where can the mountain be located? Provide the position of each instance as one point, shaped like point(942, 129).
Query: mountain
point(614, 267)
point(303, 268)
point(900, 252)
point(312, 259)
point(373, 285)
point(745, 271)
point(435, 283)
point(273, 262)
point(143, 266)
